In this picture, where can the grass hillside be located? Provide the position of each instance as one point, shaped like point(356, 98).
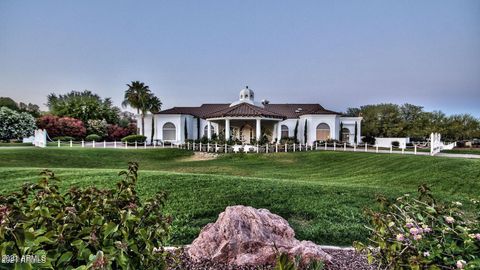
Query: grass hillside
point(321, 194)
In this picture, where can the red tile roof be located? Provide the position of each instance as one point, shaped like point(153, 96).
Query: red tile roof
point(297, 110)
point(196, 111)
point(246, 110)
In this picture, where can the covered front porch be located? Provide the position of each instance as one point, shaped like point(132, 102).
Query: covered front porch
point(245, 130)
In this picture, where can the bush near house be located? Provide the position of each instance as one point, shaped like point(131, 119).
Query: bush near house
point(420, 233)
point(115, 132)
point(288, 140)
point(62, 126)
point(329, 141)
point(98, 127)
point(134, 138)
point(63, 138)
point(93, 137)
point(15, 125)
point(86, 228)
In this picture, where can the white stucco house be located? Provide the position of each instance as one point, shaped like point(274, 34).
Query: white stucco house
point(245, 120)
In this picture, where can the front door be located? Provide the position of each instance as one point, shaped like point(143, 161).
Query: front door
point(246, 133)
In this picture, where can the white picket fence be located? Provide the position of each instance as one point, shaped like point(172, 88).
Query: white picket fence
point(225, 148)
point(435, 146)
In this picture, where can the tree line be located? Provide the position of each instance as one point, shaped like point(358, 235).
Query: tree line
point(79, 114)
point(408, 120)
point(99, 116)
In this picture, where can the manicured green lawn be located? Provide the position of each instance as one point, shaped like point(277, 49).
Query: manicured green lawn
point(473, 151)
point(321, 194)
point(2, 144)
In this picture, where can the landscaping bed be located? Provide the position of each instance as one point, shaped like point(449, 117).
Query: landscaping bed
point(321, 194)
point(343, 259)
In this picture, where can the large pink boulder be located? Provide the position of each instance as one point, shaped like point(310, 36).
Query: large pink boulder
point(243, 235)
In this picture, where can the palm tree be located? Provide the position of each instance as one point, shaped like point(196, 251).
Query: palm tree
point(136, 96)
point(154, 105)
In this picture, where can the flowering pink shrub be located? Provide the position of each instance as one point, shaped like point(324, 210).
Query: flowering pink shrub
point(62, 126)
point(116, 132)
point(420, 233)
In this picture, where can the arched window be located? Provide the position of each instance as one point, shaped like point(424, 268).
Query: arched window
point(323, 132)
point(284, 133)
point(345, 135)
point(169, 132)
point(205, 130)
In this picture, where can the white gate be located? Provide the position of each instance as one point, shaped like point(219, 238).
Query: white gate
point(435, 143)
point(40, 139)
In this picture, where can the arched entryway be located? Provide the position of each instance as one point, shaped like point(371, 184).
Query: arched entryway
point(284, 132)
point(246, 133)
point(345, 135)
point(323, 132)
point(169, 132)
point(205, 130)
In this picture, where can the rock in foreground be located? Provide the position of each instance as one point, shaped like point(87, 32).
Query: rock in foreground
point(244, 235)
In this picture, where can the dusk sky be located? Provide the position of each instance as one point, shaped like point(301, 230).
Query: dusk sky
point(337, 53)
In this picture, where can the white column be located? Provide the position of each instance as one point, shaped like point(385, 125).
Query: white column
point(209, 130)
point(227, 129)
point(258, 130)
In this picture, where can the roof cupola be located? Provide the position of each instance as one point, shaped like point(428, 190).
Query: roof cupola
point(246, 94)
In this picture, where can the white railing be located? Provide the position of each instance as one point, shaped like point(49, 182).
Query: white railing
point(248, 148)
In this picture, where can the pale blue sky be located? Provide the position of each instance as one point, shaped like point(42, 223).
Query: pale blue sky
point(337, 53)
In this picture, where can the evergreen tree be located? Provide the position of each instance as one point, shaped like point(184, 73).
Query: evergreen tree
point(185, 130)
point(305, 132)
point(295, 133)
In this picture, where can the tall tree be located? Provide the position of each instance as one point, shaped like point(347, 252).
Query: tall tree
point(137, 96)
point(185, 130)
point(154, 106)
point(295, 132)
point(305, 132)
point(83, 105)
point(340, 132)
point(356, 132)
point(9, 103)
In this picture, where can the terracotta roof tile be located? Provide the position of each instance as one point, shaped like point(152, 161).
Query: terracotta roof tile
point(196, 111)
point(246, 109)
point(296, 110)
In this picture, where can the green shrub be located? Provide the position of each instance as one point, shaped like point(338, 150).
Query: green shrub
point(204, 140)
point(288, 140)
point(87, 228)
point(93, 137)
point(368, 139)
point(63, 138)
point(329, 142)
point(99, 127)
point(419, 233)
point(134, 138)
